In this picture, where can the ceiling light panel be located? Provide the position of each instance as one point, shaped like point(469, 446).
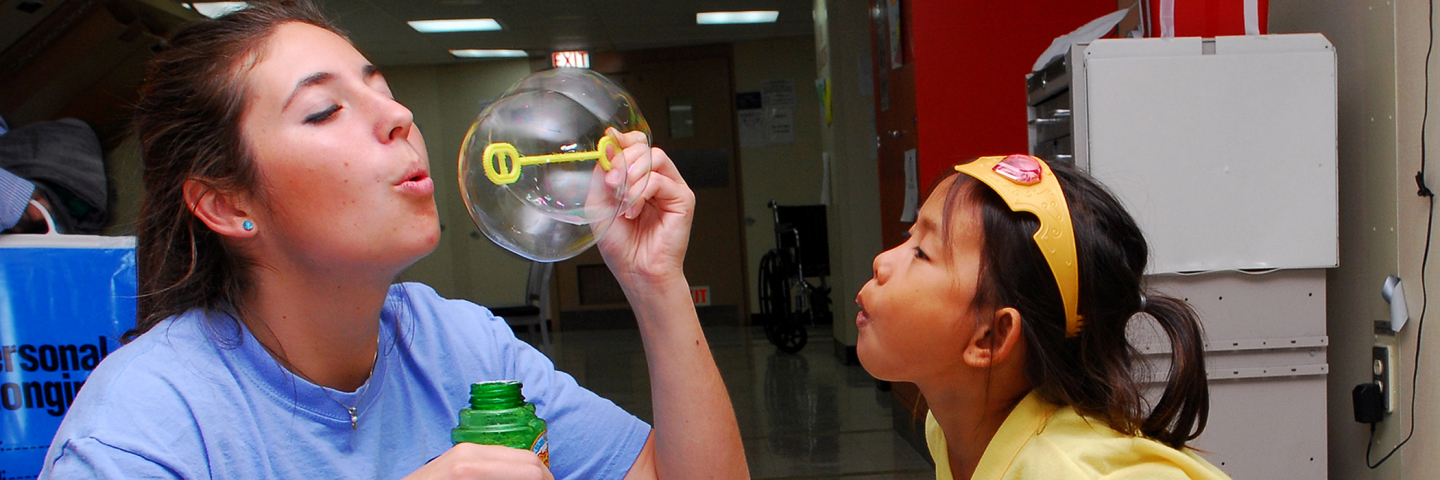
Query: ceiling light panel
point(455, 25)
point(726, 18)
point(489, 53)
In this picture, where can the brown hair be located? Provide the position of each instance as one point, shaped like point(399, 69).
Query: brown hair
point(1095, 372)
point(188, 119)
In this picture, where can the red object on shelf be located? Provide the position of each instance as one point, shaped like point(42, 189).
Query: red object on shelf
point(1207, 18)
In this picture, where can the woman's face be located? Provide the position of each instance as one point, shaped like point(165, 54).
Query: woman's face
point(343, 171)
point(916, 314)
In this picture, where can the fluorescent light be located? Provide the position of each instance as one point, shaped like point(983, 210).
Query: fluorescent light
point(482, 53)
point(216, 9)
point(455, 25)
point(720, 18)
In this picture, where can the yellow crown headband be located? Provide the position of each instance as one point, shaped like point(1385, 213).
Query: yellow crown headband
point(1027, 185)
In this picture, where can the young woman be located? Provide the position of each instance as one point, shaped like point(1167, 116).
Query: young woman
point(1008, 307)
point(285, 190)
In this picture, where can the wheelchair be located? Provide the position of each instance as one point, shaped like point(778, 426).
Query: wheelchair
point(788, 301)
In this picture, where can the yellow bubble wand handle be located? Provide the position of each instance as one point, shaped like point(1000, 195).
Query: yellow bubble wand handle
point(503, 161)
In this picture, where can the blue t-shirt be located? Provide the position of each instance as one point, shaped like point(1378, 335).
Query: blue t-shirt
point(198, 397)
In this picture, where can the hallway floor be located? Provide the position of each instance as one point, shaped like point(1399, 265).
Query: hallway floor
point(802, 416)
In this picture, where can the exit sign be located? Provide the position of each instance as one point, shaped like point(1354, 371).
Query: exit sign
point(701, 295)
point(571, 59)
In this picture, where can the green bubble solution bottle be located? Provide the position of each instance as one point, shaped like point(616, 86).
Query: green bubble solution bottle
point(499, 415)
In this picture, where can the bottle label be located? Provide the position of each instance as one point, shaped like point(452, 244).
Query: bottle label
point(541, 447)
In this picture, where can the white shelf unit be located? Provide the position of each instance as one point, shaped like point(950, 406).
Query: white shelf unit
point(1224, 150)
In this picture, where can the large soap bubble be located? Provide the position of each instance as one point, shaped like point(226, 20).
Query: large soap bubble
point(533, 166)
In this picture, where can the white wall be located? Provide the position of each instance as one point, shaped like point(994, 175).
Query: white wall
point(1422, 455)
point(1381, 47)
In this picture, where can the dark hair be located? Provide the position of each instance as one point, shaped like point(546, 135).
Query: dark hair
point(188, 120)
point(1096, 372)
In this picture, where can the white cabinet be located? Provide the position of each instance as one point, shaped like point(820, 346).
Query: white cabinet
point(1224, 150)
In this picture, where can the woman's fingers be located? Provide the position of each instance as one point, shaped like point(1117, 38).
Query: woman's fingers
point(643, 168)
point(637, 163)
point(636, 148)
point(661, 163)
point(664, 193)
point(628, 138)
point(467, 461)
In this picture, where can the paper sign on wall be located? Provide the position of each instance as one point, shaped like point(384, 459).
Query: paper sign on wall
point(912, 187)
point(897, 53)
point(751, 117)
point(752, 127)
point(778, 93)
point(780, 126)
point(767, 117)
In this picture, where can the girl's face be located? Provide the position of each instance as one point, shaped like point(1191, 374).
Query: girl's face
point(915, 315)
point(343, 172)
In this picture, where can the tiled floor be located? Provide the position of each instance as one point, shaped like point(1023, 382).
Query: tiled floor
point(802, 416)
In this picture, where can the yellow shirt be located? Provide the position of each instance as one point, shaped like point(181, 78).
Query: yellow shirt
point(1040, 440)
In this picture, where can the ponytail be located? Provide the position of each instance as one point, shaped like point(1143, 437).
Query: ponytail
point(1096, 371)
point(1181, 413)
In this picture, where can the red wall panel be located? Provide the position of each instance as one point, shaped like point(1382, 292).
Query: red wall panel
point(970, 60)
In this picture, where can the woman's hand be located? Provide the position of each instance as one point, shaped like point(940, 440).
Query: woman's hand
point(645, 245)
point(468, 461)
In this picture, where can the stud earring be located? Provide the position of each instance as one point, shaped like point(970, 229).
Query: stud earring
point(248, 225)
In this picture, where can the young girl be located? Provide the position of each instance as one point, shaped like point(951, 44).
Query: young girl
point(285, 189)
point(1008, 307)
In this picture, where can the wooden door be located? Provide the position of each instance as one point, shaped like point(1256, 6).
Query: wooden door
point(895, 120)
point(685, 96)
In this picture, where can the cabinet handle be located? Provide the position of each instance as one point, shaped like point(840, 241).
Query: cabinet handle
point(1048, 121)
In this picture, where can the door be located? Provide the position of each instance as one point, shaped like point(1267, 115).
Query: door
point(895, 129)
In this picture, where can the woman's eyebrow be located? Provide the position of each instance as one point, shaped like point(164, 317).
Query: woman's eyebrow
point(310, 81)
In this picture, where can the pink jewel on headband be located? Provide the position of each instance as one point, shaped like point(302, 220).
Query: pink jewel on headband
point(1021, 169)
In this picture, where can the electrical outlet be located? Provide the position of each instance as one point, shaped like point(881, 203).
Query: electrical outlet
point(1383, 368)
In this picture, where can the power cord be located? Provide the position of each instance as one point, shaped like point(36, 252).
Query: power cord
point(1423, 191)
point(1419, 335)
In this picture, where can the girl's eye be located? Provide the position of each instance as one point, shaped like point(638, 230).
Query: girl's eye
point(322, 116)
point(920, 254)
